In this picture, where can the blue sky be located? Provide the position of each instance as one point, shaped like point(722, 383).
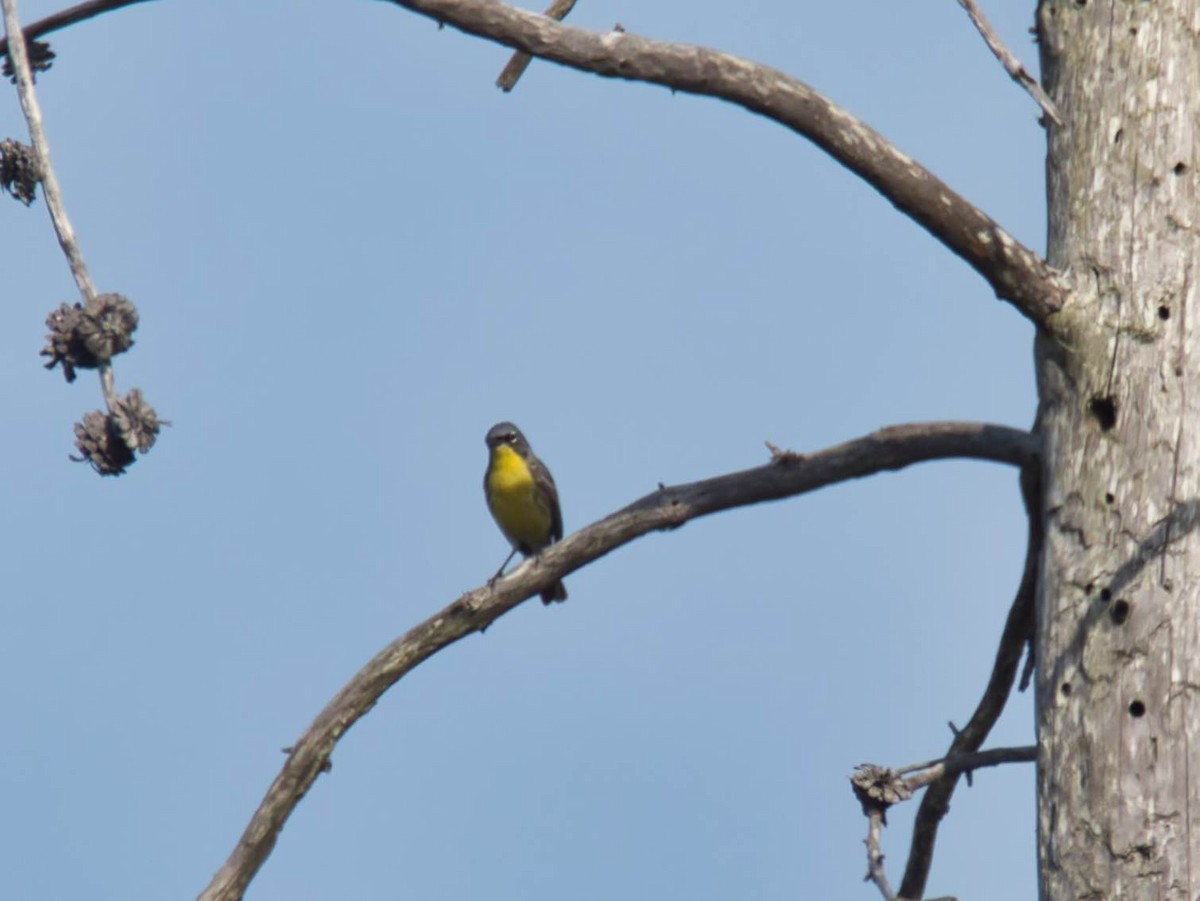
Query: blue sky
point(352, 255)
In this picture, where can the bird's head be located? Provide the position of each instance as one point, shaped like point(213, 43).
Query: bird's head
point(505, 433)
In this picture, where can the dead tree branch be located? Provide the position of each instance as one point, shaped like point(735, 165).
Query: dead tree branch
point(1015, 637)
point(90, 333)
point(54, 202)
point(874, 843)
point(1016, 273)
point(788, 474)
point(516, 67)
point(37, 133)
point(66, 17)
point(1013, 66)
point(927, 773)
point(878, 788)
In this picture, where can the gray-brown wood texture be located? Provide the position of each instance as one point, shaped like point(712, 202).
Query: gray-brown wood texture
point(1119, 603)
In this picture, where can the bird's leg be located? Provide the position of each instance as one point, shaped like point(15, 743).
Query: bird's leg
point(500, 571)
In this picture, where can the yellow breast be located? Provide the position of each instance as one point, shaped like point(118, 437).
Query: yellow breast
point(515, 501)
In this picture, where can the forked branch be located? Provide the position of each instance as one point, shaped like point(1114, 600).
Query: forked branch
point(788, 474)
point(1016, 273)
point(878, 788)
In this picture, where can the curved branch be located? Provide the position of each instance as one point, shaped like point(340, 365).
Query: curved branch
point(787, 475)
point(63, 18)
point(1017, 274)
point(1017, 630)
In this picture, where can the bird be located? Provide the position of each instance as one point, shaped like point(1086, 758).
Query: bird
point(522, 498)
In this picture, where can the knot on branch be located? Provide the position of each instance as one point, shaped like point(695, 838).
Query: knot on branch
point(19, 170)
point(779, 455)
point(108, 440)
point(88, 336)
point(878, 788)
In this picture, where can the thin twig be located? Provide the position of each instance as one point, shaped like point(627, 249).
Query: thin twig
point(959, 764)
point(1013, 66)
point(50, 189)
point(37, 133)
point(665, 508)
point(1013, 640)
point(520, 60)
point(875, 871)
point(63, 18)
point(1017, 273)
point(917, 767)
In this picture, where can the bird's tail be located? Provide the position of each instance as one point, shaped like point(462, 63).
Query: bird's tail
point(556, 592)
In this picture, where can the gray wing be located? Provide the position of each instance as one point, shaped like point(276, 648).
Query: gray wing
point(545, 482)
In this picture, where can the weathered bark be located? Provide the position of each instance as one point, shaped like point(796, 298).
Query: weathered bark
point(1119, 604)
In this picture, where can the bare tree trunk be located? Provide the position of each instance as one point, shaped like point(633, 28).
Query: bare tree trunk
point(1119, 606)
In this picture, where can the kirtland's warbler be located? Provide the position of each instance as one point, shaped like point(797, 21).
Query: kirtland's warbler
point(521, 495)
